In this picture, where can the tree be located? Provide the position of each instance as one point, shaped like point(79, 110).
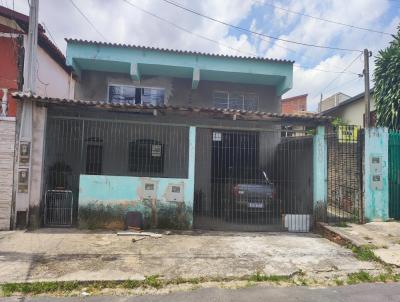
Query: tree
point(387, 84)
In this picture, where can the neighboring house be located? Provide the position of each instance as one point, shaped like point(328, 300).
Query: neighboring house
point(53, 79)
point(168, 138)
point(294, 104)
point(352, 110)
point(332, 101)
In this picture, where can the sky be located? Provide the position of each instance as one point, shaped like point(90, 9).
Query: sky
point(120, 22)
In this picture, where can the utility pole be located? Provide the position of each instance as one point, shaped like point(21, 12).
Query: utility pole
point(367, 54)
point(32, 46)
point(24, 166)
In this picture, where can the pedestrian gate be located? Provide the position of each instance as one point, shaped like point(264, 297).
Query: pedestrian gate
point(58, 208)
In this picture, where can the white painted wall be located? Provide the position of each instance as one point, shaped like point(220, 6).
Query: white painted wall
point(52, 79)
point(353, 113)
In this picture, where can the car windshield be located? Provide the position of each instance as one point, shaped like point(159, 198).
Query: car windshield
point(252, 176)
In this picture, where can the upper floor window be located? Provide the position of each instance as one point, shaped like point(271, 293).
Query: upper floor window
point(135, 95)
point(235, 100)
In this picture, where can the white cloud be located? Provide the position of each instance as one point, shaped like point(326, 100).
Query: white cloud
point(122, 23)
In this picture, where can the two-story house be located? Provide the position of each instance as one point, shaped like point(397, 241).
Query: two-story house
point(168, 138)
point(54, 78)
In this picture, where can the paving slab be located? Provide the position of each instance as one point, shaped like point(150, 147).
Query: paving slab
point(384, 236)
point(69, 254)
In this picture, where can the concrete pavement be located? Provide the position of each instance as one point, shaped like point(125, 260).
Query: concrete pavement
point(68, 254)
point(383, 236)
point(354, 293)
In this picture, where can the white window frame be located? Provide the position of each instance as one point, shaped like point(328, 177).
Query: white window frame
point(244, 94)
point(132, 86)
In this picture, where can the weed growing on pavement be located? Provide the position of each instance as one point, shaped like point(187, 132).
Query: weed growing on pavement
point(258, 277)
point(156, 282)
point(342, 224)
point(365, 253)
point(359, 277)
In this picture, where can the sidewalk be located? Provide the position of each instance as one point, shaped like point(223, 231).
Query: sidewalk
point(383, 237)
point(68, 254)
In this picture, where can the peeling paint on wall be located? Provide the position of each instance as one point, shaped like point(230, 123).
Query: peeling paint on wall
point(105, 200)
point(376, 177)
point(164, 202)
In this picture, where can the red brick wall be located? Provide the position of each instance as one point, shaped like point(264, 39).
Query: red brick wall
point(294, 104)
point(9, 70)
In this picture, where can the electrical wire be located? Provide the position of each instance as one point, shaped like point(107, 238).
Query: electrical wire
point(88, 20)
point(322, 19)
point(257, 33)
point(341, 73)
point(51, 36)
point(219, 43)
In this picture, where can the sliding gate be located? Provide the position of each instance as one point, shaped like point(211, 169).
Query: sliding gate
point(253, 180)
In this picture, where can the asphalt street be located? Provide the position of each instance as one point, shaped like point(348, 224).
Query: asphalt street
point(354, 293)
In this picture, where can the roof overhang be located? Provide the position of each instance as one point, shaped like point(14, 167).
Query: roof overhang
point(141, 61)
point(215, 113)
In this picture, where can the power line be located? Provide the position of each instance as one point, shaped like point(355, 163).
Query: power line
point(324, 20)
point(257, 33)
point(217, 42)
point(88, 20)
point(341, 73)
point(344, 84)
point(49, 32)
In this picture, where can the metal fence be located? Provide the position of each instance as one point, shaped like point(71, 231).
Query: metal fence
point(108, 147)
point(394, 174)
point(253, 180)
point(345, 170)
point(245, 180)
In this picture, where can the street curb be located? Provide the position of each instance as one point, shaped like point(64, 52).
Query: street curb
point(335, 236)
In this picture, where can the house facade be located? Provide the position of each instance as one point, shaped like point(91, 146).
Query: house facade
point(332, 101)
point(352, 110)
point(54, 79)
point(168, 138)
point(294, 104)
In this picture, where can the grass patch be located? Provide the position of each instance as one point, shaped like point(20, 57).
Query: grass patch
point(258, 277)
point(339, 282)
point(155, 281)
point(365, 253)
point(359, 277)
point(39, 287)
point(342, 224)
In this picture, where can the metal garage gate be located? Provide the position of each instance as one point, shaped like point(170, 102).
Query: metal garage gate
point(253, 180)
point(345, 174)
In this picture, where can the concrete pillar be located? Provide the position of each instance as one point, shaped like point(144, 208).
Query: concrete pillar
point(189, 190)
point(320, 169)
point(376, 175)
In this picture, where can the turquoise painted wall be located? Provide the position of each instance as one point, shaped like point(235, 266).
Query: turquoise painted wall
point(320, 169)
point(376, 175)
point(83, 56)
point(104, 200)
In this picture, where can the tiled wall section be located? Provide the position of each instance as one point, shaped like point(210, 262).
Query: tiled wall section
point(7, 143)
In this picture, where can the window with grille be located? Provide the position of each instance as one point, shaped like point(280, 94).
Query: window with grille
point(235, 100)
point(146, 155)
point(136, 95)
